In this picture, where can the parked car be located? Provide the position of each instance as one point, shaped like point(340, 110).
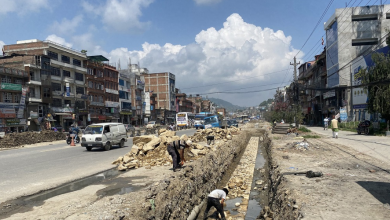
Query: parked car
point(151, 124)
point(104, 135)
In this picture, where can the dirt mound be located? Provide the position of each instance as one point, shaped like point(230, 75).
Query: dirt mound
point(26, 138)
point(218, 133)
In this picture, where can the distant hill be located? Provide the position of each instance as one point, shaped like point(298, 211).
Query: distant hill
point(225, 104)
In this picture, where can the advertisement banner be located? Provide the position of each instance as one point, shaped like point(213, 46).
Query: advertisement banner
point(11, 86)
point(67, 90)
point(89, 117)
point(343, 114)
point(22, 102)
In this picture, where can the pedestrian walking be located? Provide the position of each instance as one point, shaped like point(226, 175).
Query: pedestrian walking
point(335, 127)
point(173, 150)
point(326, 120)
point(216, 199)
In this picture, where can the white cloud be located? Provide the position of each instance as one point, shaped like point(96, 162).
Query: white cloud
point(66, 26)
point(238, 52)
point(22, 6)
point(207, 2)
point(120, 15)
point(58, 40)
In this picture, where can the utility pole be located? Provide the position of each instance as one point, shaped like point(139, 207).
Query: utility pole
point(295, 68)
point(296, 88)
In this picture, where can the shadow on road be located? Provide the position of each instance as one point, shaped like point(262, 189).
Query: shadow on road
point(380, 190)
point(102, 150)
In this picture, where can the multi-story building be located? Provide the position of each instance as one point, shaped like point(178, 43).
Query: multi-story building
point(163, 85)
point(111, 102)
point(196, 100)
point(350, 33)
point(125, 98)
point(184, 104)
point(137, 95)
point(95, 88)
point(56, 81)
point(13, 81)
point(205, 107)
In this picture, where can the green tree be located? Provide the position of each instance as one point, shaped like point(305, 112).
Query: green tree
point(376, 80)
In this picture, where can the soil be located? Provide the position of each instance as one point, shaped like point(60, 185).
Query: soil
point(353, 185)
point(14, 140)
point(143, 193)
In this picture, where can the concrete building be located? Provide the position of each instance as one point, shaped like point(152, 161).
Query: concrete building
point(221, 111)
point(12, 83)
point(125, 98)
point(350, 33)
point(137, 86)
point(184, 104)
point(197, 102)
point(95, 88)
point(56, 81)
point(163, 85)
point(111, 84)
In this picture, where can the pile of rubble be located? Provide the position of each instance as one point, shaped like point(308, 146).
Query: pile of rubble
point(149, 150)
point(218, 133)
point(26, 138)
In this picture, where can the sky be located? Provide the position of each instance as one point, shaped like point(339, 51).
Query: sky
point(239, 51)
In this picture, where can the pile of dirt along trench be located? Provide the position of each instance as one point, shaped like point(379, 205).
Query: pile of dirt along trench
point(30, 137)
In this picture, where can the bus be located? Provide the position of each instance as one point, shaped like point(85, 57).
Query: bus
point(214, 121)
point(184, 119)
point(199, 119)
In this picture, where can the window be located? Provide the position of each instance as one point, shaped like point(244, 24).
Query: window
point(123, 95)
point(57, 103)
point(7, 97)
point(97, 86)
point(365, 17)
point(66, 73)
point(121, 82)
point(80, 90)
point(55, 71)
point(56, 86)
point(90, 71)
point(80, 104)
point(90, 84)
point(79, 76)
point(65, 59)
point(76, 62)
point(52, 55)
point(99, 73)
point(17, 98)
point(19, 81)
point(101, 99)
point(68, 103)
point(126, 105)
point(32, 92)
point(46, 92)
point(6, 79)
point(364, 41)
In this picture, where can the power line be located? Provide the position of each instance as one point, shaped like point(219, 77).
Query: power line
point(315, 27)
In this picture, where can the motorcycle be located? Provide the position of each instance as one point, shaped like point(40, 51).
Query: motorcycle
point(69, 139)
point(364, 127)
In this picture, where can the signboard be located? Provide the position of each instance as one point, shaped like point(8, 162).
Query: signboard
point(89, 117)
point(14, 121)
point(329, 94)
point(102, 117)
point(112, 104)
point(343, 114)
point(7, 113)
point(33, 115)
point(62, 110)
point(67, 116)
point(22, 102)
point(67, 90)
point(126, 113)
point(11, 86)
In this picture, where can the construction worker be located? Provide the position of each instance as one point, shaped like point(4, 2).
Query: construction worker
point(216, 198)
point(173, 150)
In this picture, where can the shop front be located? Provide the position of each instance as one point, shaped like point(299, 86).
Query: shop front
point(82, 118)
point(63, 118)
point(125, 116)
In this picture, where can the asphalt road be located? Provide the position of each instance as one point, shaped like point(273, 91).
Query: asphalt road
point(29, 170)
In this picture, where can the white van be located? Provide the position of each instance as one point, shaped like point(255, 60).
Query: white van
point(104, 135)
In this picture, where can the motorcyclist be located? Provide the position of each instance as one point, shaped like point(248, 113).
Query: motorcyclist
point(74, 130)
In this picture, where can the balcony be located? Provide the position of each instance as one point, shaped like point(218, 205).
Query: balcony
point(81, 83)
point(82, 96)
point(140, 87)
point(13, 72)
point(68, 79)
point(34, 98)
point(68, 65)
point(112, 91)
point(35, 81)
